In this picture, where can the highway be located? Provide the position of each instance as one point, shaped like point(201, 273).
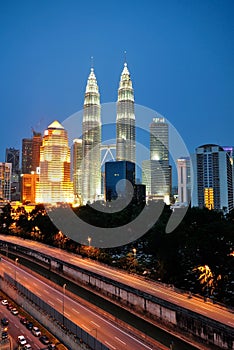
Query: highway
point(105, 331)
point(213, 311)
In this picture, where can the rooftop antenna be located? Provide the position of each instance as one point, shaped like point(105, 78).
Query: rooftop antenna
point(91, 59)
point(125, 57)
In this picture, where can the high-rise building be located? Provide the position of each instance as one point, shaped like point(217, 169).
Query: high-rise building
point(118, 176)
point(5, 181)
point(213, 178)
point(91, 142)
point(26, 158)
point(36, 146)
point(31, 153)
point(125, 121)
point(77, 168)
point(12, 156)
point(184, 180)
point(54, 179)
point(156, 172)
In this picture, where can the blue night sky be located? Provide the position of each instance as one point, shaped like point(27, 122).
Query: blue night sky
point(180, 54)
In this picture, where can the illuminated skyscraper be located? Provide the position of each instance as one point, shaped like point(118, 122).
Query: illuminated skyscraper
point(213, 178)
point(156, 173)
point(91, 142)
point(125, 122)
point(77, 168)
point(54, 179)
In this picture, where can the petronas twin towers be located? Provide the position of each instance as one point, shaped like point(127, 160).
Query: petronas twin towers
point(91, 132)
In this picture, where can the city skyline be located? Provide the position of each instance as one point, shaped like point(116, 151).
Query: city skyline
point(180, 55)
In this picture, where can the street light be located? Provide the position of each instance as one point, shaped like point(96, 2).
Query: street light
point(89, 240)
point(64, 289)
point(16, 261)
point(134, 252)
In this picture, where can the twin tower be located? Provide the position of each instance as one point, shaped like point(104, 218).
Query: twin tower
point(90, 169)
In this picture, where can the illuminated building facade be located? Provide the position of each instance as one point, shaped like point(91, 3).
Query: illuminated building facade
point(156, 172)
point(91, 142)
point(77, 168)
point(54, 179)
point(184, 180)
point(5, 181)
point(213, 178)
point(125, 121)
point(28, 187)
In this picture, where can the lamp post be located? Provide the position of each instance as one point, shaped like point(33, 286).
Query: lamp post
point(89, 240)
point(16, 262)
point(64, 289)
point(134, 252)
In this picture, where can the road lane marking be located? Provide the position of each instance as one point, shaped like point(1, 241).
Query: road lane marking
point(121, 341)
point(66, 314)
point(75, 310)
point(39, 294)
point(84, 326)
point(50, 302)
point(97, 325)
point(110, 345)
point(59, 300)
point(46, 291)
point(35, 284)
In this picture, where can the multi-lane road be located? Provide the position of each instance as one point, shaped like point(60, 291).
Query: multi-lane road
point(207, 309)
point(107, 332)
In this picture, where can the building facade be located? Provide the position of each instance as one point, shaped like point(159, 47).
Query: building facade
point(30, 158)
point(156, 172)
point(5, 181)
point(118, 176)
point(28, 187)
point(125, 121)
point(91, 142)
point(184, 180)
point(213, 178)
point(13, 157)
point(77, 169)
point(54, 185)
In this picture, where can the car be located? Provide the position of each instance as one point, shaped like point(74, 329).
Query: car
point(14, 311)
point(9, 306)
point(21, 340)
point(29, 325)
point(4, 302)
point(36, 331)
point(4, 335)
point(5, 321)
point(27, 347)
point(44, 339)
point(23, 320)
